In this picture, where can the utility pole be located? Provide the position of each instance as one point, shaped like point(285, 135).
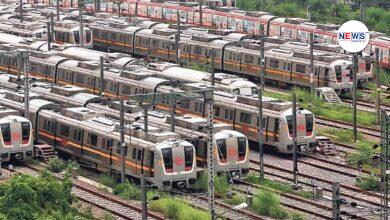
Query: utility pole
point(146, 120)
point(201, 13)
point(172, 104)
point(378, 86)
point(143, 198)
point(98, 6)
point(81, 5)
point(212, 66)
point(21, 10)
point(123, 144)
point(136, 9)
point(178, 34)
point(385, 144)
point(210, 153)
point(25, 62)
point(48, 36)
point(362, 12)
point(308, 13)
point(311, 63)
point(260, 103)
point(294, 113)
point(336, 201)
point(58, 10)
point(101, 90)
point(354, 101)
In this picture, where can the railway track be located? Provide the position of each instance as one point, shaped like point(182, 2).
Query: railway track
point(367, 106)
point(373, 132)
point(348, 191)
point(102, 200)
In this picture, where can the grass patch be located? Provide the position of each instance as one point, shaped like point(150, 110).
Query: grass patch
point(56, 165)
point(370, 183)
point(268, 204)
point(127, 191)
point(202, 184)
point(277, 95)
point(252, 178)
point(107, 180)
point(236, 199)
point(297, 216)
point(221, 185)
point(177, 209)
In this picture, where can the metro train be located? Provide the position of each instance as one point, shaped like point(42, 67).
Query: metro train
point(16, 142)
point(122, 82)
point(94, 139)
point(245, 22)
point(187, 126)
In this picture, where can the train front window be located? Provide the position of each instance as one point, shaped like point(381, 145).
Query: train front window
point(241, 148)
point(309, 124)
point(254, 91)
point(338, 73)
point(25, 132)
point(290, 124)
point(221, 144)
point(76, 36)
point(88, 35)
point(189, 157)
point(168, 161)
point(6, 131)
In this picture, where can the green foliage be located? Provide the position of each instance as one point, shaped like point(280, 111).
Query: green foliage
point(56, 165)
point(108, 216)
point(268, 204)
point(177, 209)
point(272, 184)
point(370, 183)
point(221, 185)
point(297, 216)
point(42, 197)
point(235, 200)
point(202, 183)
point(127, 191)
point(107, 180)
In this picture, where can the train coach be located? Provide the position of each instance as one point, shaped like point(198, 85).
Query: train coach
point(16, 142)
point(94, 139)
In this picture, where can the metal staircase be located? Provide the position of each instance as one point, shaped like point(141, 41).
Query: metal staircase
point(44, 151)
point(326, 146)
point(328, 94)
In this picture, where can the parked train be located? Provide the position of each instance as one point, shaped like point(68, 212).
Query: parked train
point(187, 126)
point(16, 142)
point(245, 22)
point(122, 82)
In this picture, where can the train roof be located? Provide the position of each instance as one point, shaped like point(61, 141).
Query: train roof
point(223, 134)
point(4, 111)
point(13, 118)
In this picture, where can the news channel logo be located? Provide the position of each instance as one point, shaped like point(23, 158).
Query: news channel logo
point(353, 36)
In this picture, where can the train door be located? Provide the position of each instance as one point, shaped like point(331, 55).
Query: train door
point(107, 144)
point(326, 77)
point(138, 162)
point(149, 162)
point(287, 71)
point(270, 129)
point(276, 130)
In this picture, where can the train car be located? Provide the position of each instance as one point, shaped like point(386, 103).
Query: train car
point(16, 136)
point(69, 32)
point(94, 139)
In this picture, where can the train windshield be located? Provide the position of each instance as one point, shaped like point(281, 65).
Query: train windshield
point(25, 131)
point(168, 161)
point(189, 157)
point(338, 72)
point(309, 124)
point(76, 35)
point(88, 35)
point(241, 148)
point(221, 144)
point(6, 132)
point(290, 124)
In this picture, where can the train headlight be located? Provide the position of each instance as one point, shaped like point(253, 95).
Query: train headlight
point(18, 156)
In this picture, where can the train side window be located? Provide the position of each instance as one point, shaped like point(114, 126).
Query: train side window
point(80, 78)
point(226, 113)
point(134, 154)
point(245, 118)
point(64, 130)
point(109, 143)
point(113, 36)
point(231, 116)
point(249, 59)
point(230, 55)
point(118, 148)
point(92, 139)
point(263, 122)
point(197, 50)
point(216, 111)
point(316, 71)
point(76, 36)
point(77, 135)
point(126, 90)
point(300, 68)
point(338, 72)
point(6, 132)
point(185, 105)
point(274, 63)
point(286, 66)
point(139, 155)
point(155, 43)
point(196, 106)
